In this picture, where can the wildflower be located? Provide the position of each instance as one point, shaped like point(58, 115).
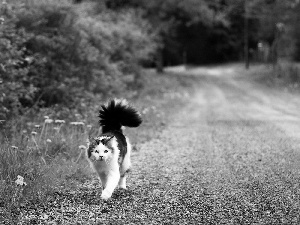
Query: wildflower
point(77, 123)
point(56, 128)
point(14, 147)
point(60, 121)
point(48, 120)
point(82, 147)
point(20, 181)
point(37, 126)
point(46, 117)
point(145, 111)
point(48, 140)
point(33, 133)
point(24, 131)
point(89, 126)
point(2, 121)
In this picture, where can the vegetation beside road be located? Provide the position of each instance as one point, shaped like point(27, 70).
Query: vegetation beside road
point(47, 150)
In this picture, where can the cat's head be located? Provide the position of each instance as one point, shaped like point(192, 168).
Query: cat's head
point(102, 148)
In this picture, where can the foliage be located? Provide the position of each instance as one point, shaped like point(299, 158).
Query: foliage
point(15, 82)
point(47, 148)
point(98, 47)
point(296, 33)
point(179, 24)
point(49, 46)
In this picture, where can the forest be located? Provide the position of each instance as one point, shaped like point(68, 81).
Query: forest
point(60, 52)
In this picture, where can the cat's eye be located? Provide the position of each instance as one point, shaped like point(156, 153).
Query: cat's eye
point(105, 151)
point(97, 151)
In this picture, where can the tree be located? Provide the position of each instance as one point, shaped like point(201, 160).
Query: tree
point(274, 19)
point(177, 24)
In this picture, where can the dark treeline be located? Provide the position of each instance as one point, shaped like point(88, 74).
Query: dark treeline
point(61, 51)
point(212, 31)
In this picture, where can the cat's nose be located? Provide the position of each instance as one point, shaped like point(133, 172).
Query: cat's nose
point(101, 157)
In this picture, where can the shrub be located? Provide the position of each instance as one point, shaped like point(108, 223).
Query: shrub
point(57, 52)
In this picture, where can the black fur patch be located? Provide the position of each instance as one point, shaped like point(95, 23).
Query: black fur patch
point(118, 113)
point(121, 140)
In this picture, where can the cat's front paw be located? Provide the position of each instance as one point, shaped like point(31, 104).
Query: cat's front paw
point(105, 195)
point(123, 186)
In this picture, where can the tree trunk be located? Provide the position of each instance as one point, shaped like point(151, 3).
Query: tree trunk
point(159, 62)
point(246, 36)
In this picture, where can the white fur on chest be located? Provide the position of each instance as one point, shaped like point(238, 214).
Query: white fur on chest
point(104, 167)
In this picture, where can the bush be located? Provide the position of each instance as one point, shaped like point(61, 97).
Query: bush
point(16, 84)
point(57, 52)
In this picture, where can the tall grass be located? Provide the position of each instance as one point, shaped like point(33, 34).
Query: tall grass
point(45, 155)
point(284, 74)
point(289, 72)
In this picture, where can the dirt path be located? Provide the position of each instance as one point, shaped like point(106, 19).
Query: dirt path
point(229, 155)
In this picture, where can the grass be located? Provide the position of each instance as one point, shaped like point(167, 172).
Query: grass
point(46, 148)
point(284, 74)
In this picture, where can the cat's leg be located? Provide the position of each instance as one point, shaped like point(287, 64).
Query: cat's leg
point(124, 169)
point(125, 166)
point(122, 182)
point(103, 178)
point(113, 178)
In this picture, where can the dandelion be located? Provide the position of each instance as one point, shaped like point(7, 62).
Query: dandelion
point(89, 126)
point(24, 131)
point(37, 126)
point(48, 120)
point(46, 117)
point(60, 121)
point(48, 140)
point(82, 147)
point(77, 123)
point(14, 147)
point(20, 181)
point(145, 111)
point(56, 128)
point(87, 141)
point(33, 133)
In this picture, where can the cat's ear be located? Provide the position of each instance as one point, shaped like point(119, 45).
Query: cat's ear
point(106, 140)
point(112, 143)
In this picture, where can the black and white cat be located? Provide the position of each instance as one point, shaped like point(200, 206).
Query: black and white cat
point(109, 154)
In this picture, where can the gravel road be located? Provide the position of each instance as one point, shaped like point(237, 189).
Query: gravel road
point(229, 155)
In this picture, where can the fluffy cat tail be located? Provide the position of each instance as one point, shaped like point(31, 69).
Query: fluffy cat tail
point(117, 113)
